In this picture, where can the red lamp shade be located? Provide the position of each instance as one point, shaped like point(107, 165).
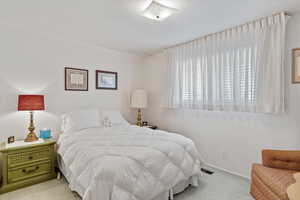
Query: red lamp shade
point(31, 102)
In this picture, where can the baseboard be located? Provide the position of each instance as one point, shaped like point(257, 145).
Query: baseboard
point(225, 170)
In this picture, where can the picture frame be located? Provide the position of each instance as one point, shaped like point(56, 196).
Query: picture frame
point(11, 139)
point(296, 66)
point(76, 79)
point(106, 80)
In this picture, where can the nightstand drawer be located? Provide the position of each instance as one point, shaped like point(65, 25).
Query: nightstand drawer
point(29, 171)
point(26, 157)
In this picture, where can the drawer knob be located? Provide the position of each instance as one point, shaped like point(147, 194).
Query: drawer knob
point(30, 157)
point(30, 170)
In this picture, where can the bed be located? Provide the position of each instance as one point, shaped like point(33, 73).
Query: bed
point(105, 158)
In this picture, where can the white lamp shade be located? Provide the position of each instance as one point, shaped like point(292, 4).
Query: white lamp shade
point(139, 99)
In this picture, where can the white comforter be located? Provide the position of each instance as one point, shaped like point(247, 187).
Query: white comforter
point(127, 163)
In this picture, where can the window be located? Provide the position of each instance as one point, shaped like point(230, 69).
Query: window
point(240, 69)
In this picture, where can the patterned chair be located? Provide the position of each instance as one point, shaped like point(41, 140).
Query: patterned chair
point(294, 189)
point(271, 179)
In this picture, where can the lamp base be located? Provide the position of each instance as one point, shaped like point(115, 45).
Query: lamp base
point(31, 137)
point(139, 118)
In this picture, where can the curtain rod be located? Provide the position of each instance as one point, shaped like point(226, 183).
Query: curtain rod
point(176, 45)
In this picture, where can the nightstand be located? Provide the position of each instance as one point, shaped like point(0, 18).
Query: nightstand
point(26, 165)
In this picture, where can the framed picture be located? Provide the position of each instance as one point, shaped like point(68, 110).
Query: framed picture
point(106, 80)
point(76, 79)
point(11, 139)
point(296, 66)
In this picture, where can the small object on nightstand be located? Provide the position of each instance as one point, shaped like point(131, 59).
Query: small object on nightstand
point(11, 139)
point(145, 123)
point(26, 163)
point(151, 127)
point(45, 133)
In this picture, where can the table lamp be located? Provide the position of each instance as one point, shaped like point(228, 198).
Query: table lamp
point(31, 103)
point(139, 101)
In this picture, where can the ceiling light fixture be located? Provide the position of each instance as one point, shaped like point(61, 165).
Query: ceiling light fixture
point(158, 11)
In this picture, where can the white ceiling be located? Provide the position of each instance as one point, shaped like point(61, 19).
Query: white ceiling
point(118, 24)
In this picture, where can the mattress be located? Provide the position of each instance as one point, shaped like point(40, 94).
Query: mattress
point(128, 162)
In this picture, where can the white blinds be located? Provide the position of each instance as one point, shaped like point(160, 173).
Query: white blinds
point(240, 69)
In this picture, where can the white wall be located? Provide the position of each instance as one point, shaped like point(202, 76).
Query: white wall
point(231, 141)
point(34, 64)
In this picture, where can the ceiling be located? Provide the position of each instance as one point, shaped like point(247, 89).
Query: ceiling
point(118, 24)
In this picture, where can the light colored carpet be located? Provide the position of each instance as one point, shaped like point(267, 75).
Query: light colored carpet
point(219, 186)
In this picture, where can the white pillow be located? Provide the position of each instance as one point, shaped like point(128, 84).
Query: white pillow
point(113, 117)
point(81, 119)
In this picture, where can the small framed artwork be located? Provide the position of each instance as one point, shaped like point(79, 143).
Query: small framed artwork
point(11, 139)
point(106, 80)
point(296, 66)
point(76, 79)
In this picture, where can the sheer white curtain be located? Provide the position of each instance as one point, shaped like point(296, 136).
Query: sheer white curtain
point(240, 69)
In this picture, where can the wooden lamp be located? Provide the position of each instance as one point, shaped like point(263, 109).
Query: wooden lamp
point(139, 101)
point(31, 103)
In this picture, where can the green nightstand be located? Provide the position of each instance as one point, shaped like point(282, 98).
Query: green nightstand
point(26, 165)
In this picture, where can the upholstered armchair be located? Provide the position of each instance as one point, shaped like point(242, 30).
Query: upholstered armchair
point(271, 179)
